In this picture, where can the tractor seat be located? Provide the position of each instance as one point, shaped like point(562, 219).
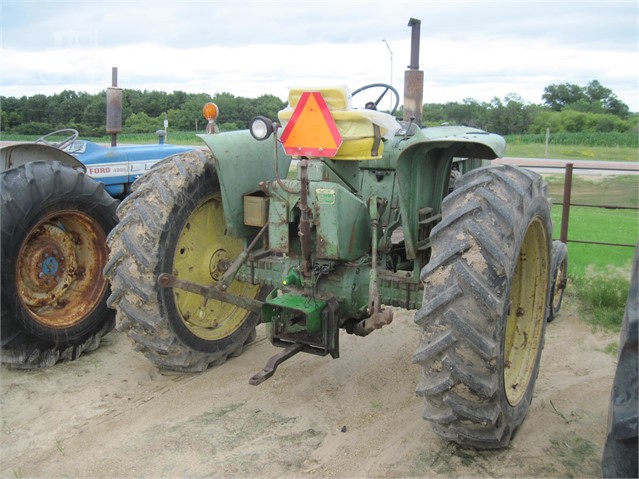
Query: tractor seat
point(361, 130)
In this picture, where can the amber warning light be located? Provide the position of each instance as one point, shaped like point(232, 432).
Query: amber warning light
point(311, 131)
point(210, 111)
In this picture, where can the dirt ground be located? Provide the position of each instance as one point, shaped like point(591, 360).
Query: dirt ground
point(112, 414)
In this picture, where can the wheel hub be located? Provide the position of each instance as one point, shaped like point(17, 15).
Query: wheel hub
point(201, 239)
point(47, 266)
point(219, 263)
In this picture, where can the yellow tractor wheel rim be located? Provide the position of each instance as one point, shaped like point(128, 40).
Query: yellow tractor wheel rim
point(201, 254)
point(525, 322)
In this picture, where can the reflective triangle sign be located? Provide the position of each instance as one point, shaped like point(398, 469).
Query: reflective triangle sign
point(311, 131)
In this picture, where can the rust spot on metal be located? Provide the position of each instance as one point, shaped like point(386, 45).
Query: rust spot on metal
point(76, 238)
point(321, 247)
point(79, 274)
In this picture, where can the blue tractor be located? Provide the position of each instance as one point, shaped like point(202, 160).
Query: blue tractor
point(58, 198)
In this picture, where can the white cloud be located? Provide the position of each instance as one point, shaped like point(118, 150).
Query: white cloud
point(477, 49)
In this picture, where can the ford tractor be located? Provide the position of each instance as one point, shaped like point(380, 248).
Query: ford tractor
point(326, 221)
point(58, 197)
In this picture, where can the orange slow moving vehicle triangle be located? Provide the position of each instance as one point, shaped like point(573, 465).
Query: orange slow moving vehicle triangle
point(311, 131)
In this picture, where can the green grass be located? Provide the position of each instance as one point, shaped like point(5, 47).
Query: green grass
point(578, 455)
point(600, 274)
point(589, 138)
point(571, 152)
point(596, 224)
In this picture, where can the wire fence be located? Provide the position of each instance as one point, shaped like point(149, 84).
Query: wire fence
point(566, 204)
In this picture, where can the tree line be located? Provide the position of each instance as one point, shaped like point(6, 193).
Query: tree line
point(142, 111)
point(566, 108)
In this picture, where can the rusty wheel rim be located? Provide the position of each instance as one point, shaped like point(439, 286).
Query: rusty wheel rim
point(59, 269)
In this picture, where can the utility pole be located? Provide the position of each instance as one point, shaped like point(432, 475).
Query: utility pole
point(390, 54)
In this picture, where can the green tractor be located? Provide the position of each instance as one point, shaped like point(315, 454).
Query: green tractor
point(380, 214)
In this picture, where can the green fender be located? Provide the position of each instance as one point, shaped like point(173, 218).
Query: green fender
point(242, 163)
point(421, 186)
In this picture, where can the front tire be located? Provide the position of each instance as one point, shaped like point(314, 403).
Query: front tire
point(173, 222)
point(485, 298)
point(559, 278)
point(55, 220)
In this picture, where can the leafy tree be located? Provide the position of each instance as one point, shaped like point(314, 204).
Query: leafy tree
point(11, 112)
point(142, 123)
point(33, 128)
point(434, 113)
point(94, 113)
point(268, 106)
point(511, 116)
point(228, 106)
point(36, 109)
point(573, 121)
point(593, 98)
point(557, 97)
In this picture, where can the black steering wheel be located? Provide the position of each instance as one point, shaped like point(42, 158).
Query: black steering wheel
point(386, 88)
point(73, 135)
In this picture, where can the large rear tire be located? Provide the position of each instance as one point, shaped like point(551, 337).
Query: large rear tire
point(484, 311)
point(55, 220)
point(622, 438)
point(173, 222)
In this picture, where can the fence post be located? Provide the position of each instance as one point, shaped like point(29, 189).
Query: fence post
point(565, 211)
point(547, 140)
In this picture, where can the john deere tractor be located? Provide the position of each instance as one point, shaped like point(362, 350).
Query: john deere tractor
point(212, 242)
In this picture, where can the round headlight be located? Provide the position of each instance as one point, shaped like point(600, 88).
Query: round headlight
point(261, 128)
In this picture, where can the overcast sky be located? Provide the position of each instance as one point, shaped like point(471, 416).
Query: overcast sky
point(469, 49)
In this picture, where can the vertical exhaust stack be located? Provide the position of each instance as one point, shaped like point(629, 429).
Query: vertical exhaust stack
point(414, 78)
point(114, 108)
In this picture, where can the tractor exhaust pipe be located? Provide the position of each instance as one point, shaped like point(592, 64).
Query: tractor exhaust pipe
point(414, 78)
point(114, 108)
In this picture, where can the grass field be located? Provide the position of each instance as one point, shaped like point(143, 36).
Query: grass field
point(599, 274)
point(572, 152)
point(597, 224)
